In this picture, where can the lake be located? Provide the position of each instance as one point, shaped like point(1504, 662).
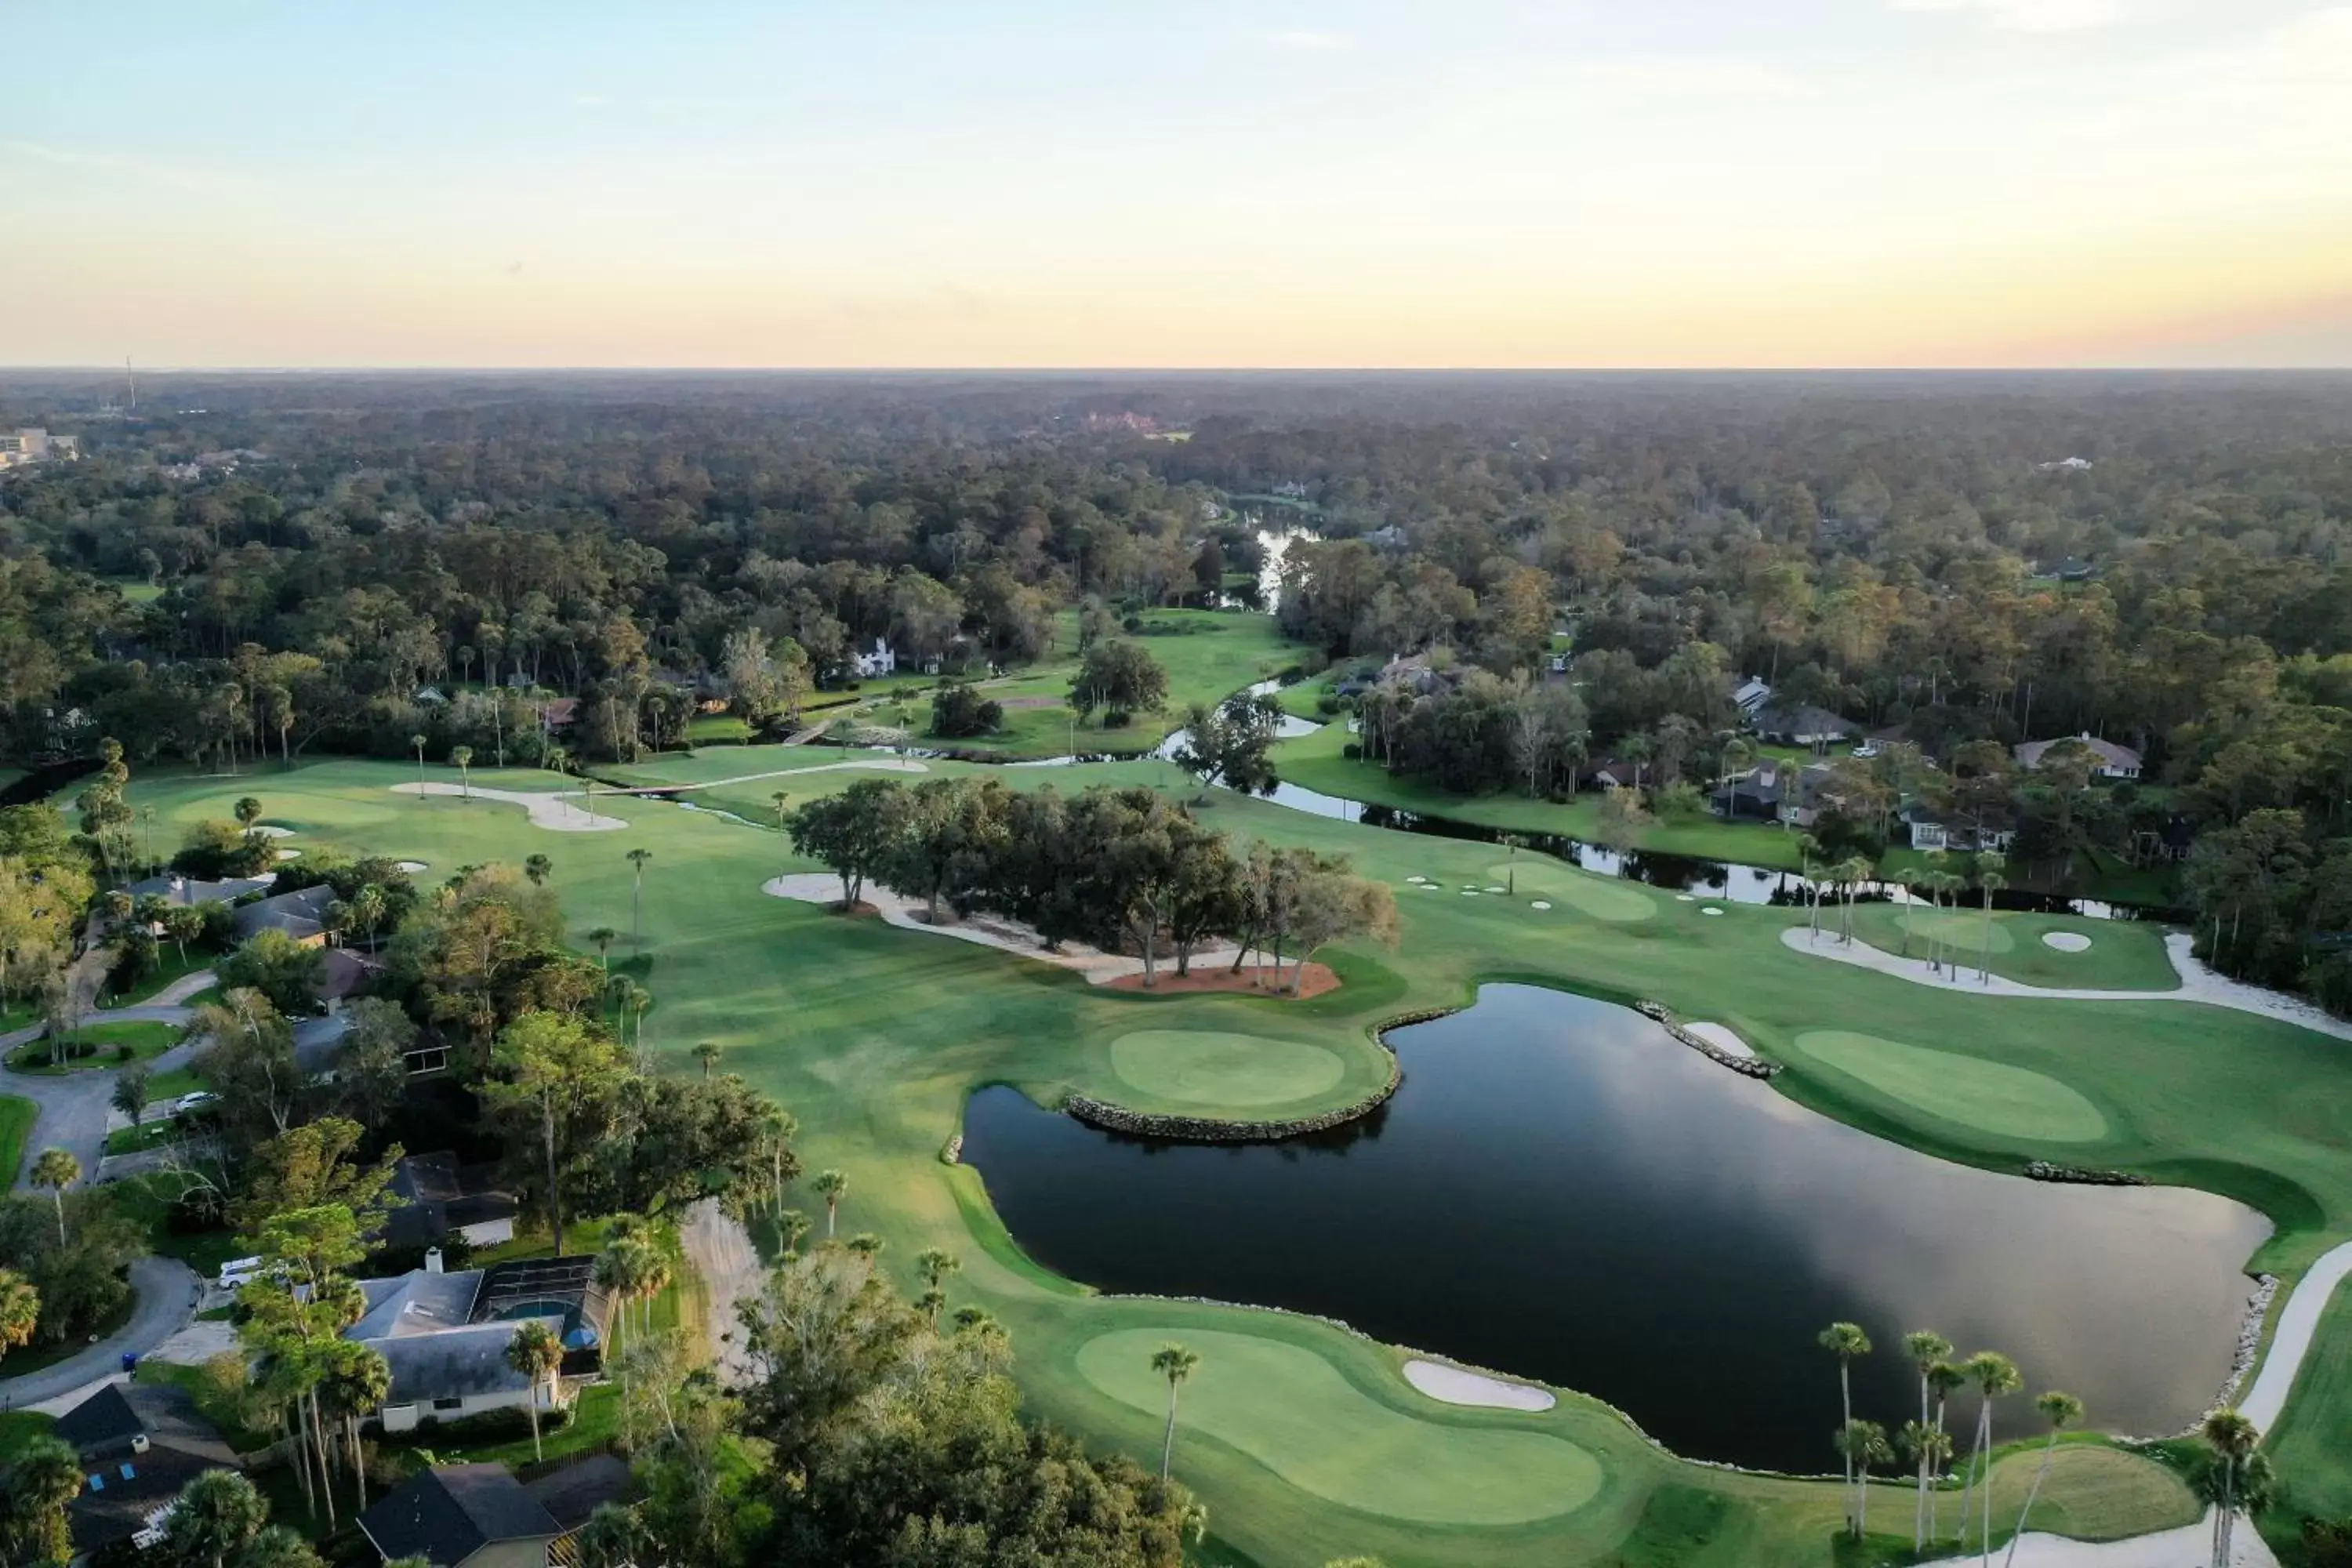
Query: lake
point(1561, 1191)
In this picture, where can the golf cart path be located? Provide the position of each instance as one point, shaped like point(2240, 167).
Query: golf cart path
point(1006, 936)
point(2197, 983)
point(557, 809)
point(2291, 1338)
point(865, 764)
point(720, 1251)
point(167, 1290)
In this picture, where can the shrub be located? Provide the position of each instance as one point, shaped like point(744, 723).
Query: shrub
point(1353, 752)
point(495, 1425)
point(958, 712)
point(1329, 703)
point(123, 1053)
point(1132, 626)
point(1118, 719)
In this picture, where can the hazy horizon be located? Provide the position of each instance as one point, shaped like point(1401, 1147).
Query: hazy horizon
point(1837, 184)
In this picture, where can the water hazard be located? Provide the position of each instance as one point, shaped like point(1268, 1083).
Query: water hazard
point(1560, 1190)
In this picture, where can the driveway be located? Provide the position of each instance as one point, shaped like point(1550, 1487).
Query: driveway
point(167, 1290)
point(74, 1105)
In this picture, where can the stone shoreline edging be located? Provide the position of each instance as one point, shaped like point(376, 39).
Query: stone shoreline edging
point(2241, 1362)
point(1747, 1067)
point(2081, 1175)
point(1219, 1130)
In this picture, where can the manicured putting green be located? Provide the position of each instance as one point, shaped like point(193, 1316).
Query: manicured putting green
point(1603, 898)
point(1294, 1413)
point(1202, 1067)
point(1960, 928)
point(2008, 1101)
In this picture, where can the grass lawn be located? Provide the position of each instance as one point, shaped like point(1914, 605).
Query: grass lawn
point(145, 1040)
point(595, 1423)
point(38, 1354)
point(874, 1038)
point(171, 1085)
point(148, 1203)
point(18, 1115)
point(2123, 955)
point(150, 1134)
point(169, 967)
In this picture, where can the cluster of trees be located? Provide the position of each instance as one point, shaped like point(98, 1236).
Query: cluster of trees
point(1125, 870)
point(45, 884)
point(875, 1432)
point(2275, 906)
point(220, 1520)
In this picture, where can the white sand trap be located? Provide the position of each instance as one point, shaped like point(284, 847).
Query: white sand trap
point(1416, 880)
point(1452, 1385)
point(1469, 892)
point(1686, 899)
point(289, 854)
point(1431, 887)
point(558, 811)
point(1721, 1039)
point(1710, 909)
point(2066, 940)
point(410, 866)
point(1497, 887)
point(1539, 904)
point(266, 831)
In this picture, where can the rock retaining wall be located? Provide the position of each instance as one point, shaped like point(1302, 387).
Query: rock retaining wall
point(2043, 1171)
point(1750, 1066)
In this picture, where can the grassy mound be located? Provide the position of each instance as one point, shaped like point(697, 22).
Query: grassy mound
point(1195, 1067)
point(1603, 898)
point(2006, 1102)
point(1292, 1411)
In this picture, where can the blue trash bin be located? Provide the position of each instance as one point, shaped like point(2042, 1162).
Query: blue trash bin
point(130, 1361)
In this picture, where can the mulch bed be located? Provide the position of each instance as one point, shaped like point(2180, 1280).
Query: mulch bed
point(1257, 978)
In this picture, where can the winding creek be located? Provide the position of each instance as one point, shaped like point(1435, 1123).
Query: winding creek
point(1562, 1192)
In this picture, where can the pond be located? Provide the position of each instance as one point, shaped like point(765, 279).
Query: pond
point(1562, 1191)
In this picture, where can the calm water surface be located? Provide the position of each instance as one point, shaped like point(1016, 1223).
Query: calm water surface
point(1561, 1191)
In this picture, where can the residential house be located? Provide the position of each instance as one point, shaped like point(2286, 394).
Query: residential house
point(301, 914)
point(445, 1198)
point(174, 889)
point(139, 1443)
point(462, 1516)
point(1807, 795)
point(1748, 694)
point(345, 973)
point(2109, 760)
point(881, 660)
point(1754, 795)
point(1802, 725)
point(1612, 773)
point(1932, 828)
point(557, 714)
point(444, 1335)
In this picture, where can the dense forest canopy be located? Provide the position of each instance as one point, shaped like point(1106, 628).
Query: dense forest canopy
point(274, 565)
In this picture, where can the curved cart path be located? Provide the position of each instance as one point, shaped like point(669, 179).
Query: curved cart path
point(2298, 1321)
point(2190, 1546)
point(2197, 983)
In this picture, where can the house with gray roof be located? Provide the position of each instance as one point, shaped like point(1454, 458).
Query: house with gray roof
point(301, 914)
point(462, 1516)
point(2108, 760)
point(139, 1445)
point(444, 1335)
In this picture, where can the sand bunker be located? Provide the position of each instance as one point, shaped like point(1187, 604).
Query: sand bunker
point(289, 854)
point(1710, 909)
point(266, 831)
point(2066, 940)
point(1721, 1039)
point(1539, 904)
point(1416, 879)
point(1452, 1385)
point(558, 811)
point(410, 866)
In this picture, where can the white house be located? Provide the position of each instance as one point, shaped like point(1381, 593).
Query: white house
point(2109, 760)
point(881, 661)
point(445, 1336)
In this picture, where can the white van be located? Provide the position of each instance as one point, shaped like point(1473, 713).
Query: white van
point(238, 1272)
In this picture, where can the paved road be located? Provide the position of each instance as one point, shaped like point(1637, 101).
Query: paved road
point(167, 1292)
point(73, 1105)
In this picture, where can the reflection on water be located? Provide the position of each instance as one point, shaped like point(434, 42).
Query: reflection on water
point(1560, 1190)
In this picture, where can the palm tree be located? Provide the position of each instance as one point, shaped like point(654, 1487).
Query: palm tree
point(358, 1381)
point(1174, 1362)
point(604, 937)
point(218, 1513)
point(1514, 843)
point(1930, 1449)
point(130, 1095)
point(249, 811)
point(777, 1129)
point(2061, 1410)
point(20, 1310)
point(615, 1272)
point(1862, 1444)
point(1945, 1379)
point(831, 1186)
point(781, 799)
point(57, 1170)
point(1991, 881)
point(1845, 1342)
point(538, 868)
point(791, 1229)
point(708, 1055)
point(416, 743)
point(1926, 1349)
point(936, 1264)
point(928, 1303)
point(1994, 1376)
point(637, 859)
point(368, 909)
point(43, 1482)
point(537, 1353)
point(462, 758)
point(1858, 870)
point(2231, 1481)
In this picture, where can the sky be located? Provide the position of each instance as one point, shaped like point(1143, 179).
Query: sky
point(1650, 183)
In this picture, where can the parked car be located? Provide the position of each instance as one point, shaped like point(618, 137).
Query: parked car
point(196, 1101)
point(237, 1271)
point(1866, 750)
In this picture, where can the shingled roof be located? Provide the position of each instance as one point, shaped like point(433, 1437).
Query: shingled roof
point(447, 1515)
